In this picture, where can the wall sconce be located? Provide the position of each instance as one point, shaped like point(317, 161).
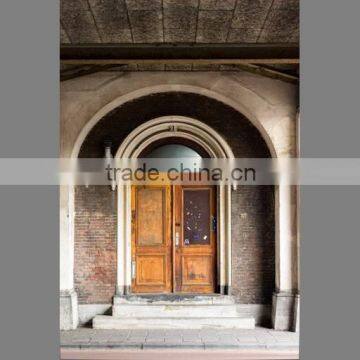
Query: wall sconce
point(108, 160)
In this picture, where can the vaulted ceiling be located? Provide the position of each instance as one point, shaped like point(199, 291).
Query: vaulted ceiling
point(259, 36)
point(179, 21)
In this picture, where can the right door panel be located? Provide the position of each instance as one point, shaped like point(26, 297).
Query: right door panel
point(195, 239)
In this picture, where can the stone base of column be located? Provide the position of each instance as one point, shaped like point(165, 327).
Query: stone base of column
point(296, 324)
point(68, 310)
point(283, 311)
point(122, 290)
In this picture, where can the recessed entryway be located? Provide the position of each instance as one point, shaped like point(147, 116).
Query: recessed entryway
point(190, 267)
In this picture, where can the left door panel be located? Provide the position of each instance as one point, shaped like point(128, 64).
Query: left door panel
point(151, 239)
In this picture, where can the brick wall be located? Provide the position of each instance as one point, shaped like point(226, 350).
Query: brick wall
point(253, 225)
point(95, 244)
point(253, 245)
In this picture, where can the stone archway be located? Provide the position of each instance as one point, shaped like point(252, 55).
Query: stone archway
point(132, 147)
point(283, 208)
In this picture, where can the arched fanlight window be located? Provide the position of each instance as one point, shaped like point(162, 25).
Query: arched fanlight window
point(173, 151)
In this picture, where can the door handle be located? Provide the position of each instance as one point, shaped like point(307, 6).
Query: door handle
point(133, 269)
point(213, 223)
point(177, 238)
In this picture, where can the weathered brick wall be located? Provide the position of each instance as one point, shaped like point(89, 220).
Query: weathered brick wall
point(253, 225)
point(253, 245)
point(95, 244)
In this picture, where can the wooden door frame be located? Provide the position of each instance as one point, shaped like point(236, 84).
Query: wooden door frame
point(223, 269)
point(174, 207)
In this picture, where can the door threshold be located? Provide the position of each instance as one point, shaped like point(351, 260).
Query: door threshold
point(173, 295)
point(206, 299)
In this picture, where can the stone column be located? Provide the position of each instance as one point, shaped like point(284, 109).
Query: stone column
point(296, 323)
point(68, 297)
point(121, 246)
point(123, 281)
point(284, 296)
point(224, 239)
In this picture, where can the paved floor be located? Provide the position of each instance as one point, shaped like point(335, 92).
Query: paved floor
point(259, 338)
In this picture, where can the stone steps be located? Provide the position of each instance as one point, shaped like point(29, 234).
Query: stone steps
point(174, 310)
point(112, 322)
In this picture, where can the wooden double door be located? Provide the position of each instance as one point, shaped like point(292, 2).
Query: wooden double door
point(173, 239)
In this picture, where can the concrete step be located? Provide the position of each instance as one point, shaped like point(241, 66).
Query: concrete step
point(174, 310)
point(111, 322)
point(174, 299)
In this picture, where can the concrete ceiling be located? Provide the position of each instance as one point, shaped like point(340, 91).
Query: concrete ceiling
point(179, 21)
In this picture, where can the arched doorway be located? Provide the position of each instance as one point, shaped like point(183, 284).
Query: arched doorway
point(174, 238)
point(180, 263)
point(243, 117)
point(245, 258)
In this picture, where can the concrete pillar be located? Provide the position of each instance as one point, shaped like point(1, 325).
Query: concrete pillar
point(68, 297)
point(284, 296)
